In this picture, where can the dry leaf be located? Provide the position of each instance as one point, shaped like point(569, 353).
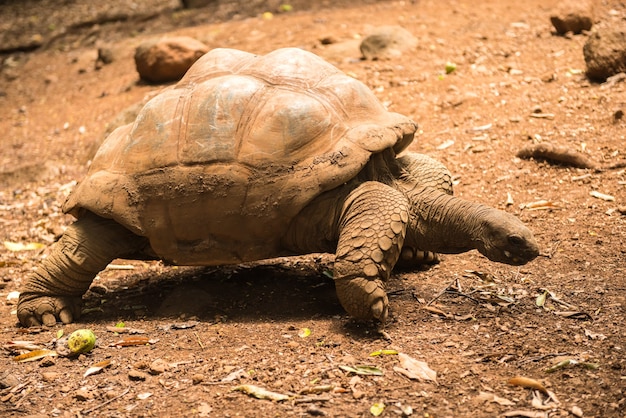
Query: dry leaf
point(525, 414)
point(35, 355)
point(492, 397)
point(598, 195)
point(436, 311)
point(571, 362)
point(540, 205)
point(17, 246)
point(130, 341)
point(377, 409)
point(96, 368)
point(528, 383)
point(445, 145)
point(237, 374)
point(260, 393)
point(383, 353)
point(415, 369)
point(316, 389)
point(362, 370)
point(594, 336)
point(21, 345)
point(304, 332)
point(125, 330)
point(541, 299)
point(583, 316)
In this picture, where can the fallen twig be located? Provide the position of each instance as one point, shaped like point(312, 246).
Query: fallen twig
point(441, 293)
point(556, 154)
point(87, 411)
point(539, 358)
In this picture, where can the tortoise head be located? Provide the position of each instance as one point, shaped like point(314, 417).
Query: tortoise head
point(504, 238)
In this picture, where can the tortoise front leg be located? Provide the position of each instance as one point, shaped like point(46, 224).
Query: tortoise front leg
point(54, 290)
point(371, 232)
point(420, 171)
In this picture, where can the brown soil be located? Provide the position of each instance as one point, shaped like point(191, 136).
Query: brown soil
point(476, 323)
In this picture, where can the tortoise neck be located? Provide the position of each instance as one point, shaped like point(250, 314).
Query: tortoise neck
point(442, 223)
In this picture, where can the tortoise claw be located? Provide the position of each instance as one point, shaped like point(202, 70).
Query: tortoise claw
point(48, 319)
point(363, 298)
point(379, 310)
point(66, 316)
point(35, 310)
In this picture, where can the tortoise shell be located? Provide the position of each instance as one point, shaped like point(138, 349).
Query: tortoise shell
point(213, 170)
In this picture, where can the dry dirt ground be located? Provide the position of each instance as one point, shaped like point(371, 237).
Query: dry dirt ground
point(476, 323)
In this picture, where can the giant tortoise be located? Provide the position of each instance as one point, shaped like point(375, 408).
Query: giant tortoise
point(251, 157)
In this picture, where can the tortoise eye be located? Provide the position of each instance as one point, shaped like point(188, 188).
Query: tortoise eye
point(516, 240)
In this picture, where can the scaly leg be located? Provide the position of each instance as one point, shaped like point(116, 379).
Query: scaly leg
point(54, 290)
point(371, 233)
point(420, 171)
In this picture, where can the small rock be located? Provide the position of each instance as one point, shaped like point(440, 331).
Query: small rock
point(387, 42)
point(167, 59)
point(159, 366)
point(605, 51)
point(197, 378)
point(111, 394)
point(577, 412)
point(328, 40)
point(315, 411)
point(618, 115)
point(622, 210)
point(51, 79)
point(83, 394)
point(105, 56)
point(136, 375)
point(49, 376)
point(573, 16)
point(8, 381)
point(141, 365)
point(47, 362)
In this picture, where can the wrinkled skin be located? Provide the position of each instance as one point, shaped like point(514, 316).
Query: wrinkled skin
point(396, 207)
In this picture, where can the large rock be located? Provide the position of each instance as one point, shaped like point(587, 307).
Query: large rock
point(573, 16)
point(387, 42)
point(167, 59)
point(605, 52)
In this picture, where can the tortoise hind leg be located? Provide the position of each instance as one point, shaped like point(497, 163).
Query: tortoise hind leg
point(371, 233)
point(55, 288)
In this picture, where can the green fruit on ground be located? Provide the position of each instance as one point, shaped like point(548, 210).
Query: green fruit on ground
point(81, 341)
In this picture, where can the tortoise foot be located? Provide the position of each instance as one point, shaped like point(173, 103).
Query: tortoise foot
point(35, 309)
point(363, 298)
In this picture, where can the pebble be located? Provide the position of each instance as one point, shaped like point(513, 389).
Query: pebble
point(573, 16)
point(159, 366)
point(83, 394)
point(49, 376)
point(8, 381)
point(137, 375)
